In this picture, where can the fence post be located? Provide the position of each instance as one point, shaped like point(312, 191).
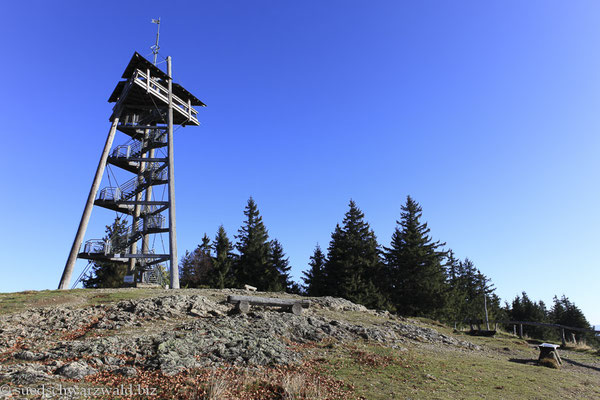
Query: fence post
point(562, 337)
point(520, 331)
point(515, 329)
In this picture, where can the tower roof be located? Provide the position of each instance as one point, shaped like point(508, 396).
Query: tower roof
point(139, 62)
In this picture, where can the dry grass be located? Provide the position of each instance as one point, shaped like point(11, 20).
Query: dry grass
point(549, 362)
point(216, 388)
point(298, 386)
point(580, 346)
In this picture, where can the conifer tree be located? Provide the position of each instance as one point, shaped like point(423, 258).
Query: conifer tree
point(201, 269)
point(415, 268)
point(315, 278)
point(353, 264)
point(197, 267)
point(253, 246)
point(478, 291)
point(186, 269)
point(565, 312)
point(222, 275)
point(457, 296)
point(277, 272)
point(525, 309)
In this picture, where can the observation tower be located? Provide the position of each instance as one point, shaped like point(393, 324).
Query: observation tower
point(147, 106)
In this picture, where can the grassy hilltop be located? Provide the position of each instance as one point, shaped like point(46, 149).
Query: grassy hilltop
point(190, 344)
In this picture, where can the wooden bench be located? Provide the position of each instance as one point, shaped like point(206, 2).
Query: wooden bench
point(548, 350)
point(243, 303)
point(479, 331)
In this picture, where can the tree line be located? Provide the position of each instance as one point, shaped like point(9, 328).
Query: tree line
point(562, 312)
point(253, 260)
point(413, 276)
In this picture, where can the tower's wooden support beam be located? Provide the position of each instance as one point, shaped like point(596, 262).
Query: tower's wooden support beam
point(87, 211)
point(172, 225)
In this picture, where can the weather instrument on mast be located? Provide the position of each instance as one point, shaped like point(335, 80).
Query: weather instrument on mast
point(156, 47)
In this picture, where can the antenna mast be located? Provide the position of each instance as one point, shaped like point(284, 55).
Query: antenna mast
point(156, 47)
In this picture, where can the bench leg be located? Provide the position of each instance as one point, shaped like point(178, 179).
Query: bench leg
point(557, 357)
point(243, 307)
point(296, 309)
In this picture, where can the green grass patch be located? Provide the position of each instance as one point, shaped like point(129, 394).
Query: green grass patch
point(437, 373)
point(15, 302)
point(120, 295)
point(20, 301)
point(353, 317)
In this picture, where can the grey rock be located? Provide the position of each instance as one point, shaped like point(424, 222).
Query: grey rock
point(127, 371)
point(108, 360)
point(28, 356)
point(25, 374)
point(337, 304)
point(76, 370)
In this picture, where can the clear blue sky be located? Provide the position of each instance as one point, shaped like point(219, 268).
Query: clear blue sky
point(487, 113)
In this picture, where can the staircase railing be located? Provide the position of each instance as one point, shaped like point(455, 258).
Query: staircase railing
point(96, 246)
point(154, 276)
point(133, 148)
point(110, 194)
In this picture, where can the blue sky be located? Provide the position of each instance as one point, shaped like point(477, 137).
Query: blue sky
point(487, 113)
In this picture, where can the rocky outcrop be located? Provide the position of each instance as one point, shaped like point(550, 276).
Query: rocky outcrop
point(175, 332)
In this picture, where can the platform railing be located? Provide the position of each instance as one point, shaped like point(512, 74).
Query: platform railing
point(142, 79)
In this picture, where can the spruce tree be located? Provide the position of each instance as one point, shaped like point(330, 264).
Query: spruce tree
point(197, 267)
point(565, 312)
point(478, 292)
point(278, 277)
point(253, 246)
point(525, 309)
point(353, 265)
point(457, 296)
point(186, 269)
point(223, 261)
point(315, 278)
point(414, 265)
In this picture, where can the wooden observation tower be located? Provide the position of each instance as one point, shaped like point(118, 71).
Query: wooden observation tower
point(147, 105)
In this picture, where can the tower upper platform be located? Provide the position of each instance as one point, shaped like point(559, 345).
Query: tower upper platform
point(146, 88)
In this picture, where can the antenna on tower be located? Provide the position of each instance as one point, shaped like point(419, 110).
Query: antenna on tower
point(156, 47)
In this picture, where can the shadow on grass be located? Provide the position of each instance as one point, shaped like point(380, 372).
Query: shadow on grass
point(578, 364)
point(526, 361)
